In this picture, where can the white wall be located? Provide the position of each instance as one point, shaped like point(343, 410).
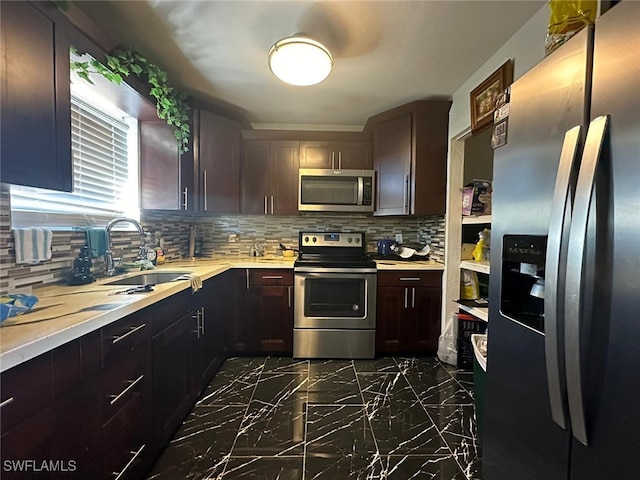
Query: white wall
point(525, 48)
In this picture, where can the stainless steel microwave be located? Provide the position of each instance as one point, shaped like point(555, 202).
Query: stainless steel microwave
point(326, 190)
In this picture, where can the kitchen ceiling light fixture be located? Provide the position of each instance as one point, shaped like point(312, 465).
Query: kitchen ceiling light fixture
point(300, 60)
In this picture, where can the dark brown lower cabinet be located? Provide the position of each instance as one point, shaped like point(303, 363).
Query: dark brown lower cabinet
point(127, 457)
point(408, 311)
point(173, 392)
point(264, 314)
point(210, 319)
point(29, 441)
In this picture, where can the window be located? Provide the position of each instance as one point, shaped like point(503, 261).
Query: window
point(105, 172)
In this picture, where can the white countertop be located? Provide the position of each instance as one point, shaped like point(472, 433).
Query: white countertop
point(64, 313)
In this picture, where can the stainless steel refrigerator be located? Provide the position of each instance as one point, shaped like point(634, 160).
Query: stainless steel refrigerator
point(563, 377)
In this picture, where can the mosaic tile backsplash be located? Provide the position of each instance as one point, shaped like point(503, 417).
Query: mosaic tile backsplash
point(214, 234)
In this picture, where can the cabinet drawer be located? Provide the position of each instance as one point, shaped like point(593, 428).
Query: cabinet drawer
point(123, 336)
point(413, 278)
point(26, 388)
point(274, 277)
point(28, 441)
point(127, 457)
point(116, 397)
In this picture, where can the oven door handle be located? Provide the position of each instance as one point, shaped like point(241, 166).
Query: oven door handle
point(341, 270)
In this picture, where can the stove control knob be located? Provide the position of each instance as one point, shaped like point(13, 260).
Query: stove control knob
point(350, 240)
point(314, 239)
point(306, 239)
point(357, 239)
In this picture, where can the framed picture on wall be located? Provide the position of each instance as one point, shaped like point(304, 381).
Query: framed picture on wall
point(483, 97)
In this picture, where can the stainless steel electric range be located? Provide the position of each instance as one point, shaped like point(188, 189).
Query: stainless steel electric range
point(335, 297)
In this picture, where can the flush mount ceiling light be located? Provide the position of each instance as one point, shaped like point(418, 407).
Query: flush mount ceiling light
point(300, 60)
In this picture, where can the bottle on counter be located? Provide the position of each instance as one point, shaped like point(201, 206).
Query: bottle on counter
point(81, 273)
point(160, 257)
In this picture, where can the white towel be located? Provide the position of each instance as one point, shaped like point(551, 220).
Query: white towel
point(33, 245)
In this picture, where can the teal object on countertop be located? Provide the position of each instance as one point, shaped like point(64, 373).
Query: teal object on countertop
point(96, 241)
point(15, 304)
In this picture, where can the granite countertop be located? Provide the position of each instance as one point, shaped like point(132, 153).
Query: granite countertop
point(64, 313)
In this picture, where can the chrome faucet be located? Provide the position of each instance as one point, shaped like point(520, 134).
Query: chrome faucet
point(110, 262)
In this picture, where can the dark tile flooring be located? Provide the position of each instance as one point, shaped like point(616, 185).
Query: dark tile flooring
point(280, 418)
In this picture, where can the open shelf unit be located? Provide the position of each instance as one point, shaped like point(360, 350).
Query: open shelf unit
point(476, 220)
point(480, 267)
point(471, 157)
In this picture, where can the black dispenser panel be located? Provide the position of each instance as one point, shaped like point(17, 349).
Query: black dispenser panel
point(522, 292)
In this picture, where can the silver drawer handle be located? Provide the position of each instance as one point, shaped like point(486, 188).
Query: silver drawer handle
point(130, 332)
point(6, 402)
point(115, 398)
point(410, 279)
point(272, 277)
point(126, 467)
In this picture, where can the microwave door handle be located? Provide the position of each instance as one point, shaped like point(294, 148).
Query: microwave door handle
point(360, 190)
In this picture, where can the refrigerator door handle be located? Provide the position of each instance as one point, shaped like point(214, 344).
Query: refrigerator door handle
point(575, 317)
point(552, 319)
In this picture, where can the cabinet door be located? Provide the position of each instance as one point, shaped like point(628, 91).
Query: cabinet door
point(284, 178)
point(244, 337)
point(426, 303)
point(160, 173)
point(208, 331)
point(391, 321)
point(255, 178)
point(392, 160)
point(219, 163)
point(354, 155)
point(272, 314)
point(34, 97)
point(172, 384)
point(317, 155)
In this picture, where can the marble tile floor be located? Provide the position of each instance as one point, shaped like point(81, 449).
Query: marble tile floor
point(271, 418)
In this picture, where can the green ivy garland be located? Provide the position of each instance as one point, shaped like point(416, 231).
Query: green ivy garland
point(171, 105)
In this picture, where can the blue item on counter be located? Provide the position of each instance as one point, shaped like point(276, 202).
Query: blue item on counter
point(16, 304)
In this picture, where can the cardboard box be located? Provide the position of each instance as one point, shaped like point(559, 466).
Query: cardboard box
point(476, 198)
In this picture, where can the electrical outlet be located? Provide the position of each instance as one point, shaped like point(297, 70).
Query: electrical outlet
point(232, 238)
point(398, 238)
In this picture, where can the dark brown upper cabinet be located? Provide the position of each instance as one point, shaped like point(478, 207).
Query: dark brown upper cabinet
point(336, 155)
point(162, 186)
point(270, 177)
point(410, 158)
point(216, 163)
point(34, 96)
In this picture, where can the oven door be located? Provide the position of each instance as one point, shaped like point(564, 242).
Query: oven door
point(334, 299)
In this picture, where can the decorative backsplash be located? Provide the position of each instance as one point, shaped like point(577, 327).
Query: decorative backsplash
point(274, 230)
point(214, 232)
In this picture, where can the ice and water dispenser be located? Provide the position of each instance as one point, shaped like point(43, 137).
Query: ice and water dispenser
point(522, 291)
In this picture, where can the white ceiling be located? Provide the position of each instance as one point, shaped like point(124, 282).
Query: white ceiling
point(386, 53)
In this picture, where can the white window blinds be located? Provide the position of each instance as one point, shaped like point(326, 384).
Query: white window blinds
point(102, 177)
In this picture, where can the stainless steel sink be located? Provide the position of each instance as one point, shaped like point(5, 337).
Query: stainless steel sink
point(153, 278)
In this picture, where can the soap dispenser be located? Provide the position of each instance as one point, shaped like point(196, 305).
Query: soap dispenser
point(81, 273)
